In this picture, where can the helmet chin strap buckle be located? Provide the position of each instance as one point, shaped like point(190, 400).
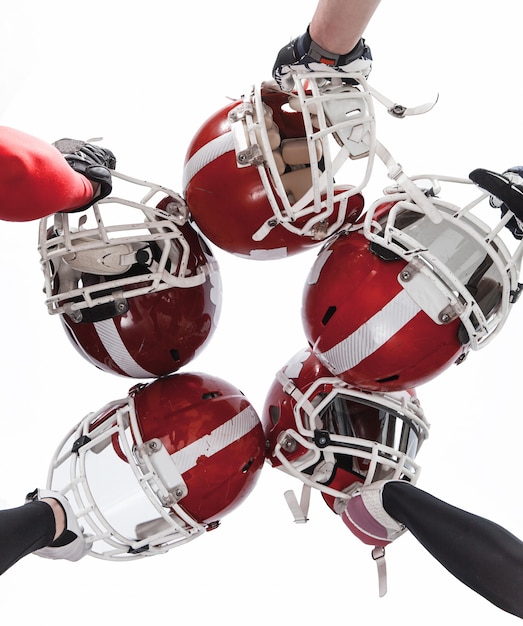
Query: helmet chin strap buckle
point(378, 554)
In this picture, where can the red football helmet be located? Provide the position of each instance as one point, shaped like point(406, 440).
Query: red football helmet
point(259, 174)
point(393, 304)
point(155, 470)
point(334, 437)
point(137, 298)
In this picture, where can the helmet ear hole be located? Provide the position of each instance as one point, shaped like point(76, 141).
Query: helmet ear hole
point(209, 395)
point(328, 315)
point(388, 379)
point(247, 466)
point(274, 414)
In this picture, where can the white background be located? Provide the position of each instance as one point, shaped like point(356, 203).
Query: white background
point(144, 76)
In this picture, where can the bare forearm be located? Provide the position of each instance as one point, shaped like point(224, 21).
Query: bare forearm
point(337, 25)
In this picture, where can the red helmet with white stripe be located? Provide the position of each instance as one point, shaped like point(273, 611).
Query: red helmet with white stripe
point(137, 288)
point(393, 304)
point(334, 437)
point(157, 469)
point(364, 326)
point(259, 175)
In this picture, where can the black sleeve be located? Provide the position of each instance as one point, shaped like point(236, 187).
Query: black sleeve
point(481, 554)
point(24, 530)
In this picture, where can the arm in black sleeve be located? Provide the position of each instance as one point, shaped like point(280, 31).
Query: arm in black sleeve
point(23, 530)
point(481, 554)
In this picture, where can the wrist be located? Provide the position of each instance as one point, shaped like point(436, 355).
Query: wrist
point(59, 515)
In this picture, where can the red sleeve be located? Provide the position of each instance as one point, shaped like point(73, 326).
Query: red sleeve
point(35, 179)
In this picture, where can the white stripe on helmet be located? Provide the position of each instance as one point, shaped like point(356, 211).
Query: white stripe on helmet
point(205, 155)
point(221, 437)
point(372, 335)
point(112, 342)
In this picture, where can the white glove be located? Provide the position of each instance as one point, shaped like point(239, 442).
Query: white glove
point(71, 544)
point(366, 517)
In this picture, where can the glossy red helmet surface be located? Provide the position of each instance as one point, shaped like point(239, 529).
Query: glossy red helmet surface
point(160, 467)
point(136, 299)
point(365, 327)
point(332, 436)
point(461, 261)
point(259, 173)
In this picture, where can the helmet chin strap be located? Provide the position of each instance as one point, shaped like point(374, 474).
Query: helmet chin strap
point(407, 184)
point(378, 554)
point(299, 509)
point(337, 110)
point(399, 110)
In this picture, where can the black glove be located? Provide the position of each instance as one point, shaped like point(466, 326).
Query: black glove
point(306, 55)
point(91, 161)
point(506, 194)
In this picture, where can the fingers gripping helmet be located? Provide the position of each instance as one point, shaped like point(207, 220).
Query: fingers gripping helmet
point(137, 288)
point(392, 305)
point(333, 436)
point(155, 470)
point(259, 174)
